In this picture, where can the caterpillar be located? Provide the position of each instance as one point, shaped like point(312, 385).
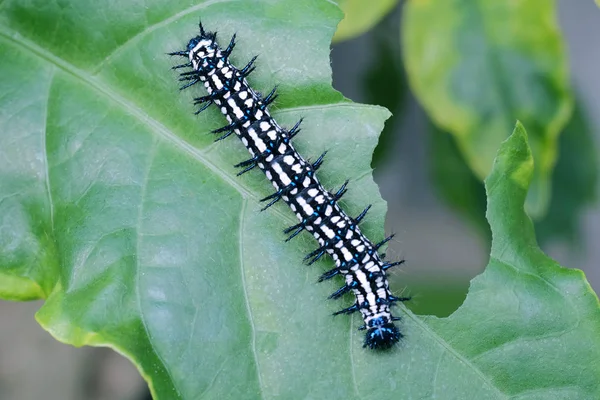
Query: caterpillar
point(296, 183)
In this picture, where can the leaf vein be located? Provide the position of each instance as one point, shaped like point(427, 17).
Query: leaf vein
point(45, 153)
point(450, 350)
point(138, 36)
point(143, 189)
point(247, 298)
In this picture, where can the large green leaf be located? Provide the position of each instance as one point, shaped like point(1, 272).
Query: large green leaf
point(118, 208)
point(530, 323)
point(476, 66)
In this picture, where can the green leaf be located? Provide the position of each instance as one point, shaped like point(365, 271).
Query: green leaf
point(528, 325)
point(124, 214)
point(360, 16)
point(477, 66)
point(120, 209)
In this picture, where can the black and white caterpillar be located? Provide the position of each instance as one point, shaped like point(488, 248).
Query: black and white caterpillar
point(294, 179)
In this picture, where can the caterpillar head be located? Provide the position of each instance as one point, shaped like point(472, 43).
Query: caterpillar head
point(201, 46)
point(381, 334)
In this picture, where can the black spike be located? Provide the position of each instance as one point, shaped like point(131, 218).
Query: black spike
point(295, 129)
point(203, 99)
point(230, 47)
point(248, 168)
point(394, 299)
point(293, 227)
point(226, 128)
point(182, 53)
point(340, 292)
point(275, 196)
point(270, 97)
point(347, 311)
point(362, 214)
point(204, 107)
point(182, 66)
point(341, 191)
point(202, 32)
point(253, 160)
point(316, 254)
point(189, 84)
point(362, 327)
point(387, 266)
point(214, 95)
point(319, 161)
point(225, 136)
point(396, 318)
point(188, 73)
point(247, 70)
point(296, 230)
point(329, 274)
point(384, 241)
point(271, 196)
point(248, 164)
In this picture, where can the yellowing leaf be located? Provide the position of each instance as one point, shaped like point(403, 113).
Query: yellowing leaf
point(360, 16)
point(477, 66)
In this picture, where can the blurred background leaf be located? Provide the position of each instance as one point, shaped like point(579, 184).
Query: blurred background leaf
point(455, 182)
point(383, 84)
point(477, 66)
point(360, 16)
point(574, 183)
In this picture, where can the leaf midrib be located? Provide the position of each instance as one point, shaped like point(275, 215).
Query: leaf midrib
point(243, 211)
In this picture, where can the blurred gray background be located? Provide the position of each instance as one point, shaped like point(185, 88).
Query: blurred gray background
point(439, 245)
